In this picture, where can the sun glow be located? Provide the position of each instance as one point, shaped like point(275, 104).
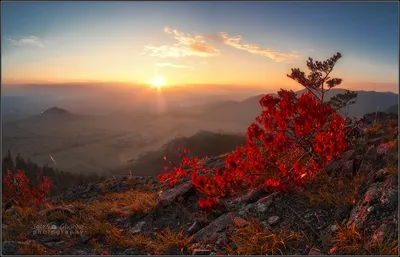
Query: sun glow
point(157, 82)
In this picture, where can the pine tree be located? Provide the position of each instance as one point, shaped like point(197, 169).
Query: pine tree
point(20, 163)
point(319, 83)
point(8, 163)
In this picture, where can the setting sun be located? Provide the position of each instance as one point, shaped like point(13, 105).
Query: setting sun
point(157, 82)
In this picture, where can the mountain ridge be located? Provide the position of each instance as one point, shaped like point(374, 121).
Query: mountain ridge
point(366, 102)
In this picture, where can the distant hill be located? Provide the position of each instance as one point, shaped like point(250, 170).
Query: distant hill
point(55, 111)
point(55, 115)
point(367, 101)
point(245, 111)
point(242, 112)
point(201, 144)
point(393, 109)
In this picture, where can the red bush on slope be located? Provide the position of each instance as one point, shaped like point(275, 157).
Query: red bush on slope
point(292, 140)
point(16, 186)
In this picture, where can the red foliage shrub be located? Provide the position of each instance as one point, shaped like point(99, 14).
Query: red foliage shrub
point(292, 140)
point(16, 186)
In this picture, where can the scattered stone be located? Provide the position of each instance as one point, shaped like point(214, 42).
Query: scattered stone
point(380, 233)
point(212, 230)
point(138, 227)
point(134, 217)
point(201, 252)
point(10, 203)
point(347, 155)
point(264, 203)
point(57, 209)
point(222, 239)
point(370, 209)
point(131, 251)
point(307, 216)
point(170, 195)
point(252, 196)
point(358, 214)
point(348, 168)
point(373, 193)
point(80, 252)
point(54, 244)
point(244, 210)
point(11, 211)
point(273, 220)
point(84, 239)
point(315, 251)
point(389, 198)
point(381, 174)
point(240, 223)
point(48, 239)
point(334, 228)
point(194, 228)
point(10, 248)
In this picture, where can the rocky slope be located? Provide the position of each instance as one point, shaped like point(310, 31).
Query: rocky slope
point(351, 210)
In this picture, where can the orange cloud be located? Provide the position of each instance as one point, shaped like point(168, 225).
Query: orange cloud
point(188, 45)
point(168, 64)
point(255, 49)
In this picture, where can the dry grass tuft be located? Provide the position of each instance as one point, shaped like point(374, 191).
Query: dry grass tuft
point(384, 248)
point(31, 249)
point(330, 192)
point(374, 129)
point(19, 222)
point(98, 229)
point(255, 239)
point(134, 200)
point(349, 241)
point(139, 241)
point(167, 239)
point(159, 243)
point(97, 248)
point(117, 204)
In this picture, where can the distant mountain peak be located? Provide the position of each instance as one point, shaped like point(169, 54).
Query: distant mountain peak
point(55, 111)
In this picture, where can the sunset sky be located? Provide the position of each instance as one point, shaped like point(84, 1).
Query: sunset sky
point(241, 44)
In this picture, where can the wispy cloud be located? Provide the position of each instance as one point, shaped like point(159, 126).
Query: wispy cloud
point(27, 41)
point(235, 42)
point(187, 45)
point(168, 64)
point(200, 45)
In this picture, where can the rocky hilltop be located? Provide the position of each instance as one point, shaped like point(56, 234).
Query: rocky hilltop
point(353, 209)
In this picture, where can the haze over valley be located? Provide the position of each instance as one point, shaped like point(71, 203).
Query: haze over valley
point(107, 138)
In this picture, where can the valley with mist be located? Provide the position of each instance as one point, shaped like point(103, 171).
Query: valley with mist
point(106, 139)
point(98, 143)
